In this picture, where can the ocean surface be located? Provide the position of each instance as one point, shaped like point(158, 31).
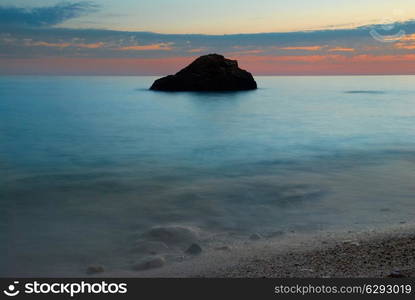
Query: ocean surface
point(89, 163)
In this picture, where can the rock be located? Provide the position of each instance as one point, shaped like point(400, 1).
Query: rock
point(223, 248)
point(194, 249)
point(172, 235)
point(255, 237)
point(211, 72)
point(176, 258)
point(274, 234)
point(351, 242)
point(307, 270)
point(151, 262)
point(150, 247)
point(396, 274)
point(94, 269)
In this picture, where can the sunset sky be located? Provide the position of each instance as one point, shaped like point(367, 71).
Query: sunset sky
point(268, 37)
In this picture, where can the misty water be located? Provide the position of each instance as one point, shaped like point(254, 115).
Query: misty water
point(89, 163)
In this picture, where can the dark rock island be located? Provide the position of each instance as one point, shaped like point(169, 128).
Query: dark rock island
point(212, 72)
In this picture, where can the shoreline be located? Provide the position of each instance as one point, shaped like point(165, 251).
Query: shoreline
point(351, 254)
point(367, 255)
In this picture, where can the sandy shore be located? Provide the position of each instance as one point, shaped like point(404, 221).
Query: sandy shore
point(379, 255)
point(369, 253)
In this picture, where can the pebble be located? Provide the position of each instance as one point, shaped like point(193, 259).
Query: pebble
point(396, 274)
point(255, 237)
point(351, 242)
point(223, 248)
point(150, 263)
point(275, 234)
point(194, 249)
point(150, 247)
point(172, 235)
point(94, 269)
point(307, 270)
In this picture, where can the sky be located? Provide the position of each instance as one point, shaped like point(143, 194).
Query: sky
point(158, 37)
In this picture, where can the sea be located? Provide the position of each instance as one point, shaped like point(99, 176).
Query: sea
point(90, 164)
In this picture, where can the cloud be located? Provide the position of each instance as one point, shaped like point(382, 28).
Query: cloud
point(44, 16)
point(66, 45)
point(303, 48)
point(405, 46)
point(342, 49)
point(408, 37)
point(197, 50)
point(407, 42)
point(383, 58)
point(245, 52)
point(336, 51)
point(152, 47)
point(296, 58)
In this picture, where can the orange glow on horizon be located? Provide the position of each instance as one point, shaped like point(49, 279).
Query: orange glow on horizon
point(331, 64)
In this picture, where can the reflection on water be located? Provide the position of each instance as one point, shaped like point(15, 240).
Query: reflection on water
point(365, 92)
point(90, 163)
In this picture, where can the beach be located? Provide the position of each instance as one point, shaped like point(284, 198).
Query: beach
point(375, 257)
point(365, 254)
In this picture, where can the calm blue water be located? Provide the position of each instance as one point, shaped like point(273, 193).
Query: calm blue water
point(88, 162)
